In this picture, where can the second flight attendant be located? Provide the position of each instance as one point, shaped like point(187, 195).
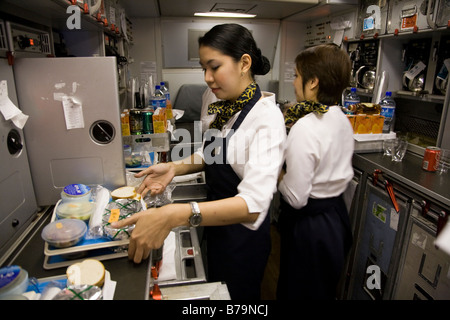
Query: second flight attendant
point(314, 224)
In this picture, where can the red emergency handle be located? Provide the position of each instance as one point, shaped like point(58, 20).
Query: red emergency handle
point(389, 188)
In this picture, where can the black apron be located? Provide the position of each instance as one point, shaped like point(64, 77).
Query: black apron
point(236, 254)
point(315, 241)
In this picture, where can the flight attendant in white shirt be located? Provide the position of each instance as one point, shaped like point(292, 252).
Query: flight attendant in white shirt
point(314, 224)
point(242, 158)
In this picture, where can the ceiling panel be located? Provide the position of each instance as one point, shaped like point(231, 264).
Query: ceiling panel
point(141, 8)
point(264, 9)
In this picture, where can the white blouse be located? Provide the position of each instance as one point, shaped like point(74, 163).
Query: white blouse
point(255, 152)
point(318, 156)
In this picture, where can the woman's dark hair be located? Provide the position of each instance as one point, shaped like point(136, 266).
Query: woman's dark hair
point(235, 40)
point(331, 65)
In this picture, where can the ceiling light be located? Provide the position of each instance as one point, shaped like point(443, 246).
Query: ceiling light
point(224, 15)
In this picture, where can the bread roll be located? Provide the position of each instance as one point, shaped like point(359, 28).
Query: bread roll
point(127, 192)
point(89, 271)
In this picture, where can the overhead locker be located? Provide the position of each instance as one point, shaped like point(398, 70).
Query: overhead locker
point(372, 18)
point(407, 15)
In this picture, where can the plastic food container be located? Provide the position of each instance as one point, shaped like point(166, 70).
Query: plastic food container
point(76, 192)
point(134, 160)
point(64, 233)
point(13, 281)
point(75, 210)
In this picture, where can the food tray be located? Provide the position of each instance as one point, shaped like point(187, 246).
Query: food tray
point(59, 261)
point(370, 143)
point(40, 284)
point(83, 245)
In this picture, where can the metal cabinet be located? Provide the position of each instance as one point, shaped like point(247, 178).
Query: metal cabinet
point(406, 41)
point(377, 245)
point(352, 197)
point(17, 199)
point(405, 15)
point(372, 17)
point(424, 269)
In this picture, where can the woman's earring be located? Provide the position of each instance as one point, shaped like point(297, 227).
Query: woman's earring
point(242, 74)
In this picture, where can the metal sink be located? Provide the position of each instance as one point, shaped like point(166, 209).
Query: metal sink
point(190, 188)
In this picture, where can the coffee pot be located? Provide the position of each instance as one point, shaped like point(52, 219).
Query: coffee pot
point(416, 84)
point(441, 80)
point(365, 77)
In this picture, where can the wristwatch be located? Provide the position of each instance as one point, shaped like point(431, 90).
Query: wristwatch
point(196, 217)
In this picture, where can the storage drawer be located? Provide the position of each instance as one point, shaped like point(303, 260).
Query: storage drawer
point(424, 274)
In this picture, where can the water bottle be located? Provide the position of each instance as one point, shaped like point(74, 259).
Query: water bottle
point(158, 98)
point(168, 103)
point(388, 111)
point(165, 90)
point(350, 99)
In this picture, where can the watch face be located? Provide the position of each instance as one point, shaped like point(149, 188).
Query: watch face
point(195, 220)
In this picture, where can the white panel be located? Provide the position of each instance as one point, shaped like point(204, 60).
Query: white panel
point(92, 82)
point(175, 38)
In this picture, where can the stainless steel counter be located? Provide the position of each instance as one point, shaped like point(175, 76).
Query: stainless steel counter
point(409, 172)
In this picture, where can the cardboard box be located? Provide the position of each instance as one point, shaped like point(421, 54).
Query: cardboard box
point(366, 124)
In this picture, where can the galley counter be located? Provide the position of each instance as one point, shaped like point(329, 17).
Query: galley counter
point(409, 173)
point(132, 280)
point(397, 214)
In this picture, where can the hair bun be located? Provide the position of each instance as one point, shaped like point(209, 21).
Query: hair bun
point(265, 66)
point(262, 64)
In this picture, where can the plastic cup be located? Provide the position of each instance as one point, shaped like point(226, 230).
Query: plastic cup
point(388, 145)
point(399, 149)
point(444, 161)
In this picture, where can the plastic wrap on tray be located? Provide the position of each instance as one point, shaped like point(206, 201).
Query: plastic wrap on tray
point(161, 199)
point(102, 197)
point(80, 292)
point(118, 210)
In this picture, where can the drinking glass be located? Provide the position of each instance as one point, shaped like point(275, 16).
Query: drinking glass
point(399, 149)
point(444, 161)
point(388, 145)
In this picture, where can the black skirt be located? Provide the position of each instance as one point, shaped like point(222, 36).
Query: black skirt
point(315, 241)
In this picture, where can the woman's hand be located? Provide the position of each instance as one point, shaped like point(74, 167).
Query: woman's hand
point(157, 178)
point(152, 227)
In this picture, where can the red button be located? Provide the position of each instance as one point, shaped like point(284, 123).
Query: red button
point(190, 252)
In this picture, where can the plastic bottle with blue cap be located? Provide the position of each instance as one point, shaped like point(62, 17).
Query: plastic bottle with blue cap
point(388, 111)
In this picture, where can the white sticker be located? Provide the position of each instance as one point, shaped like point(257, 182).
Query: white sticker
point(394, 219)
point(414, 71)
point(419, 239)
point(73, 113)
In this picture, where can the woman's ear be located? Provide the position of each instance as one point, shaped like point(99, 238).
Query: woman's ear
point(246, 63)
point(313, 83)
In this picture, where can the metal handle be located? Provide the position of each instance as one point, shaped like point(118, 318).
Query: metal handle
point(388, 186)
point(430, 22)
point(442, 221)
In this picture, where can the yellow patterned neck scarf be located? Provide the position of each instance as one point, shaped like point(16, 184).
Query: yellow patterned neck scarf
point(224, 110)
point(301, 109)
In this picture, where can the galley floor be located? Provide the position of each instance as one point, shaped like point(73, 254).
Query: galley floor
point(270, 280)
